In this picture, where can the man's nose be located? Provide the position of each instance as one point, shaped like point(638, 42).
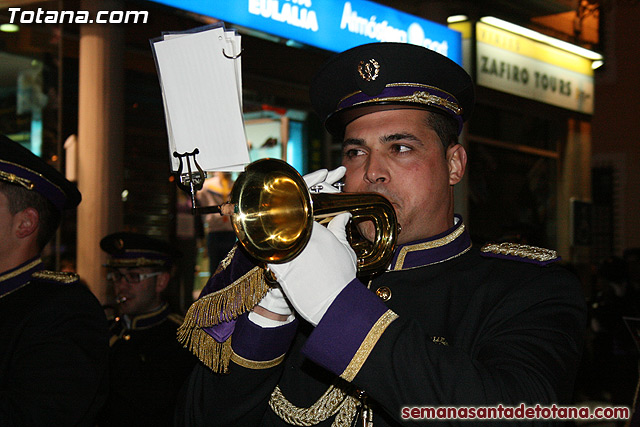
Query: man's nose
point(377, 170)
point(121, 283)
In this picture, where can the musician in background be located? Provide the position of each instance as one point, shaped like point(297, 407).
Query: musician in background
point(53, 332)
point(217, 228)
point(147, 365)
point(446, 324)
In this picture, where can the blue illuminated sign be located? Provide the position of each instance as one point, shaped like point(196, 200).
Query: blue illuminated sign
point(334, 25)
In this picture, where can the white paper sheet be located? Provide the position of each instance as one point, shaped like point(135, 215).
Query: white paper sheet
point(202, 95)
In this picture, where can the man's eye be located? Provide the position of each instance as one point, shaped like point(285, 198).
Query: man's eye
point(401, 148)
point(353, 152)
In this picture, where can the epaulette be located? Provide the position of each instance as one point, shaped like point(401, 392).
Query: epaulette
point(56, 276)
point(519, 252)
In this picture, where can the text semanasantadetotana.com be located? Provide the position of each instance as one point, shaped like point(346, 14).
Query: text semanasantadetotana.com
point(537, 412)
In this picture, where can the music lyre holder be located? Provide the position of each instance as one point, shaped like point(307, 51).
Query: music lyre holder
point(192, 181)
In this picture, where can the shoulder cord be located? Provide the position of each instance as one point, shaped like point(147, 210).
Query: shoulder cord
point(333, 401)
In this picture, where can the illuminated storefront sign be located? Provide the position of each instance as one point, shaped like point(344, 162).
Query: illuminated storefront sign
point(334, 25)
point(520, 66)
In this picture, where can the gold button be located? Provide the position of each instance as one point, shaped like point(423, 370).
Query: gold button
point(384, 293)
point(127, 337)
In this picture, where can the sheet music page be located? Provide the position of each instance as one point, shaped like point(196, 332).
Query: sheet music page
point(233, 40)
point(202, 94)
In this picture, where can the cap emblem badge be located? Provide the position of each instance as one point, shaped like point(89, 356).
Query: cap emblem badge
point(369, 70)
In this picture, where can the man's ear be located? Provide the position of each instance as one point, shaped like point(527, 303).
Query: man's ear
point(27, 222)
point(162, 282)
point(457, 163)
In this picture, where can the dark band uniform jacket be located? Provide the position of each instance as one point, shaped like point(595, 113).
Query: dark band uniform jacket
point(147, 365)
point(53, 349)
point(53, 332)
point(447, 324)
point(147, 369)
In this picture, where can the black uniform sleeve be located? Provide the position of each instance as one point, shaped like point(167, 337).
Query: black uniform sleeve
point(238, 398)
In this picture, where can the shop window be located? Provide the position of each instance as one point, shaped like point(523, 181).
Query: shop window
point(30, 108)
point(517, 127)
point(512, 196)
point(277, 133)
point(22, 100)
point(512, 172)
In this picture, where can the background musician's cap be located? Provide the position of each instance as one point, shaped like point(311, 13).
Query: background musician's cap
point(384, 76)
point(128, 250)
point(19, 166)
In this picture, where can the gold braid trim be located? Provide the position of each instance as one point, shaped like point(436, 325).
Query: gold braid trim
point(57, 276)
point(135, 262)
point(223, 305)
point(522, 251)
point(367, 345)
point(418, 97)
point(20, 270)
point(15, 179)
point(255, 364)
point(227, 260)
point(333, 401)
point(427, 245)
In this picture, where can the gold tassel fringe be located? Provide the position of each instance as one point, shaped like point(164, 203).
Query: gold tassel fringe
point(210, 310)
point(215, 355)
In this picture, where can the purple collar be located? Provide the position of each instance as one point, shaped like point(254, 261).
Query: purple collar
point(150, 319)
point(450, 244)
point(19, 276)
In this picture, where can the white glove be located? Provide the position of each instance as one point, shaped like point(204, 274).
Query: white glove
point(275, 302)
point(323, 269)
point(324, 179)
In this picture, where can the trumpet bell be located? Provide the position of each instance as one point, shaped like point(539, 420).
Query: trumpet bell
point(274, 212)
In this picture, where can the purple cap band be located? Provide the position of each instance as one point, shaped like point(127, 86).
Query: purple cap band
point(46, 188)
point(407, 93)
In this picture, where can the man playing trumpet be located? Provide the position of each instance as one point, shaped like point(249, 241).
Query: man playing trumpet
point(446, 324)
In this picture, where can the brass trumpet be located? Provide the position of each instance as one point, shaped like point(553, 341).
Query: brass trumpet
point(273, 212)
